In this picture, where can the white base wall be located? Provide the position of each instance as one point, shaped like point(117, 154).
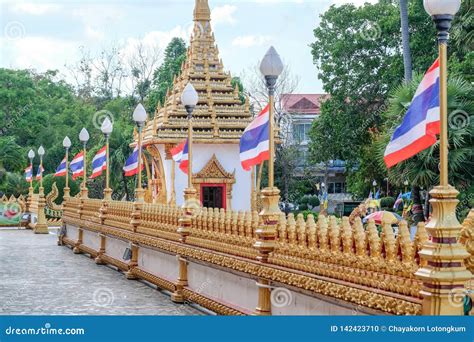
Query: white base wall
point(91, 239)
point(222, 286)
point(160, 264)
point(228, 288)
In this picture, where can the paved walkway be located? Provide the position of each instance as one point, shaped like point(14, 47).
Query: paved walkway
point(37, 277)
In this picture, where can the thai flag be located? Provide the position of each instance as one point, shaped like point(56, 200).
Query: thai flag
point(61, 169)
point(29, 173)
point(77, 165)
point(398, 201)
point(39, 173)
point(254, 143)
point(99, 163)
point(421, 122)
point(181, 156)
point(131, 165)
point(177, 151)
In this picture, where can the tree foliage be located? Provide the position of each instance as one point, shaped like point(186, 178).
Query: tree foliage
point(175, 54)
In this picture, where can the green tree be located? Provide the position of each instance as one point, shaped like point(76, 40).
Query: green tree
point(359, 57)
point(175, 54)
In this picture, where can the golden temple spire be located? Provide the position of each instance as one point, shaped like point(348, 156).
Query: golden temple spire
point(202, 11)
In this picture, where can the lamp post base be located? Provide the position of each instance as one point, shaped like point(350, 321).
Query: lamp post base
point(191, 204)
point(41, 226)
point(108, 194)
point(139, 195)
point(84, 193)
point(266, 232)
point(444, 273)
point(67, 192)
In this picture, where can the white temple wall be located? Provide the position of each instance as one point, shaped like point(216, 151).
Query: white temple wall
point(228, 156)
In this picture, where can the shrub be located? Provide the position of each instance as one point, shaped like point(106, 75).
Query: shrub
point(387, 202)
point(314, 201)
point(303, 207)
point(304, 200)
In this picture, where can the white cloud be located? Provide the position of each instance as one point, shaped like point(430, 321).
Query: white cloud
point(154, 40)
point(250, 40)
point(39, 53)
point(35, 8)
point(94, 33)
point(223, 15)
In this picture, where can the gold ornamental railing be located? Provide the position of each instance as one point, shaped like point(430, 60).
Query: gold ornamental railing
point(328, 256)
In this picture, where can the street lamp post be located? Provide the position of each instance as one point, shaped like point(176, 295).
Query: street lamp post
point(41, 226)
point(189, 99)
point(84, 138)
point(139, 116)
point(106, 129)
point(443, 272)
point(67, 145)
point(271, 67)
point(31, 156)
point(374, 184)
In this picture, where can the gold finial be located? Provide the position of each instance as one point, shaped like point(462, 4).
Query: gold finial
point(202, 11)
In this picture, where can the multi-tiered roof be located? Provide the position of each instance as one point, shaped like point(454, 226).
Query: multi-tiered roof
point(220, 116)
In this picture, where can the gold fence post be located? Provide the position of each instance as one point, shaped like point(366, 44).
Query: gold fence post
point(76, 249)
point(177, 295)
point(101, 251)
point(133, 263)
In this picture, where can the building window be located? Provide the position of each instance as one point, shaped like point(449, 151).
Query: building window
point(213, 196)
point(301, 132)
point(336, 188)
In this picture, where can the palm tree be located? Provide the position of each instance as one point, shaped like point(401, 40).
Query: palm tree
point(405, 40)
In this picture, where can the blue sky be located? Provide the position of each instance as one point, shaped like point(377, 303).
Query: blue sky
point(47, 34)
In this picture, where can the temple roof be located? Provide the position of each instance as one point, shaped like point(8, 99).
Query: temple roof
point(220, 116)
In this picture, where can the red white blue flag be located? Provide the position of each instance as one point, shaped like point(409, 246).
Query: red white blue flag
point(421, 122)
point(39, 173)
point(99, 162)
point(29, 173)
point(131, 165)
point(61, 169)
point(254, 143)
point(181, 156)
point(77, 165)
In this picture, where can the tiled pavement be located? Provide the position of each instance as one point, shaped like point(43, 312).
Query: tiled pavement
point(37, 277)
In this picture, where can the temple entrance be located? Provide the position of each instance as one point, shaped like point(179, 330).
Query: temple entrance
point(214, 185)
point(213, 196)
